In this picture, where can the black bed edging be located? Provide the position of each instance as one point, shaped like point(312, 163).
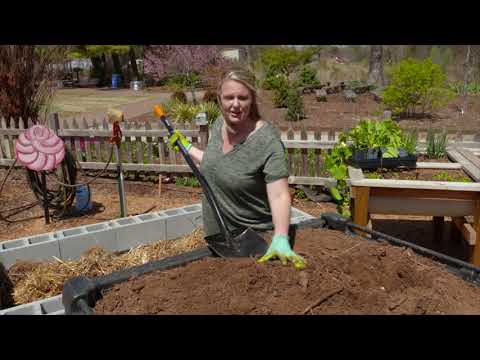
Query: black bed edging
point(80, 294)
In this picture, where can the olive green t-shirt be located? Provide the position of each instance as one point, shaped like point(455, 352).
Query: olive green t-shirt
point(238, 179)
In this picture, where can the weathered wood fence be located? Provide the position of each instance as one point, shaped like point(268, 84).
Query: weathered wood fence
point(145, 146)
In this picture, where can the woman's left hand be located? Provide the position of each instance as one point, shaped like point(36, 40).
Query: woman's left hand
point(280, 248)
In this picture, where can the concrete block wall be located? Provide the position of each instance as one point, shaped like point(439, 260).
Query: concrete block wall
point(116, 235)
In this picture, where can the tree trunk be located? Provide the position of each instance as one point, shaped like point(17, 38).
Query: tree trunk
point(375, 71)
point(250, 56)
point(117, 66)
point(98, 69)
point(468, 69)
point(133, 63)
point(107, 61)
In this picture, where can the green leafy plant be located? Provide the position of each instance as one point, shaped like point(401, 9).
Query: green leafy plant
point(300, 194)
point(445, 176)
point(295, 108)
point(416, 87)
point(188, 181)
point(371, 175)
point(436, 144)
point(369, 134)
point(336, 165)
point(409, 142)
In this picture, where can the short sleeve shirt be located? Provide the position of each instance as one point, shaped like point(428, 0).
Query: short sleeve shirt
point(239, 178)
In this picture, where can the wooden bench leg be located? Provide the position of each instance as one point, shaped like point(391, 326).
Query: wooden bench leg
point(360, 211)
point(475, 250)
point(438, 222)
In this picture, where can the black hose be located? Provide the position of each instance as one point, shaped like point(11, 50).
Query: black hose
point(62, 198)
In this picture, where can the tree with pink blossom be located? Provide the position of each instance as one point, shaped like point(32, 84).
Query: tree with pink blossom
point(161, 61)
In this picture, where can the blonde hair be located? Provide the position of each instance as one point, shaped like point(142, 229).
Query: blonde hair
point(247, 79)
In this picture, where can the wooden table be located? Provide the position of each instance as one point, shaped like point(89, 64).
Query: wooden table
point(422, 198)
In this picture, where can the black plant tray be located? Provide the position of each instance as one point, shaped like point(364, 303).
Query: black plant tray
point(373, 159)
point(80, 294)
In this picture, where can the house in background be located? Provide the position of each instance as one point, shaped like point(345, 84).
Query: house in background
point(233, 52)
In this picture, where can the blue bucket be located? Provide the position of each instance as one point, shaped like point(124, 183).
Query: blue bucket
point(83, 199)
point(115, 81)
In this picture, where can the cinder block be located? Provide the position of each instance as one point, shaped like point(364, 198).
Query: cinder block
point(134, 231)
point(59, 312)
point(25, 309)
point(37, 248)
point(12, 244)
point(179, 223)
point(152, 227)
point(194, 214)
point(298, 213)
point(74, 242)
point(51, 305)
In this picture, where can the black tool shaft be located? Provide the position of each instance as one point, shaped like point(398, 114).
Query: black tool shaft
point(206, 188)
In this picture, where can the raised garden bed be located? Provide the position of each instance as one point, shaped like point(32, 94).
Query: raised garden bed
point(424, 191)
point(454, 175)
point(345, 275)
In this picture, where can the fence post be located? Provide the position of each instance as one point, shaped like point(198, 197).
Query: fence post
point(202, 123)
point(54, 122)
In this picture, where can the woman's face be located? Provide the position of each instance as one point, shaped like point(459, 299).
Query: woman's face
point(236, 102)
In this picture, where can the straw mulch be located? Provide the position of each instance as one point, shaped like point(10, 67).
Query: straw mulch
point(35, 281)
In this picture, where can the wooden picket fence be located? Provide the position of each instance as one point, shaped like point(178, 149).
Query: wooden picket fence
point(145, 148)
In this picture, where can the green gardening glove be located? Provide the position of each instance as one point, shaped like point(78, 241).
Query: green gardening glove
point(177, 135)
point(280, 248)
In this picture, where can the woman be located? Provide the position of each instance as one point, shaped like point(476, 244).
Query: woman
point(244, 164)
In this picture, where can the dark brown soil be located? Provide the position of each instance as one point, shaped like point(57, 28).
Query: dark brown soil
point(420, 174)
point(425, 158)
point(345, 275)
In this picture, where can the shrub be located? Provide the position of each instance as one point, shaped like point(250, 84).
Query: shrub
point(281, 93)
point(183, 112)
point(274, 80)
point(416, 87)
point(179, 96)
point(307, 76)
point(295, 109)
point(210, 96)
point(280, 60)
point(211, 109)
point(184, 80)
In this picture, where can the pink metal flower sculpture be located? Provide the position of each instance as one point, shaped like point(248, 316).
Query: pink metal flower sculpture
point(40, 149)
